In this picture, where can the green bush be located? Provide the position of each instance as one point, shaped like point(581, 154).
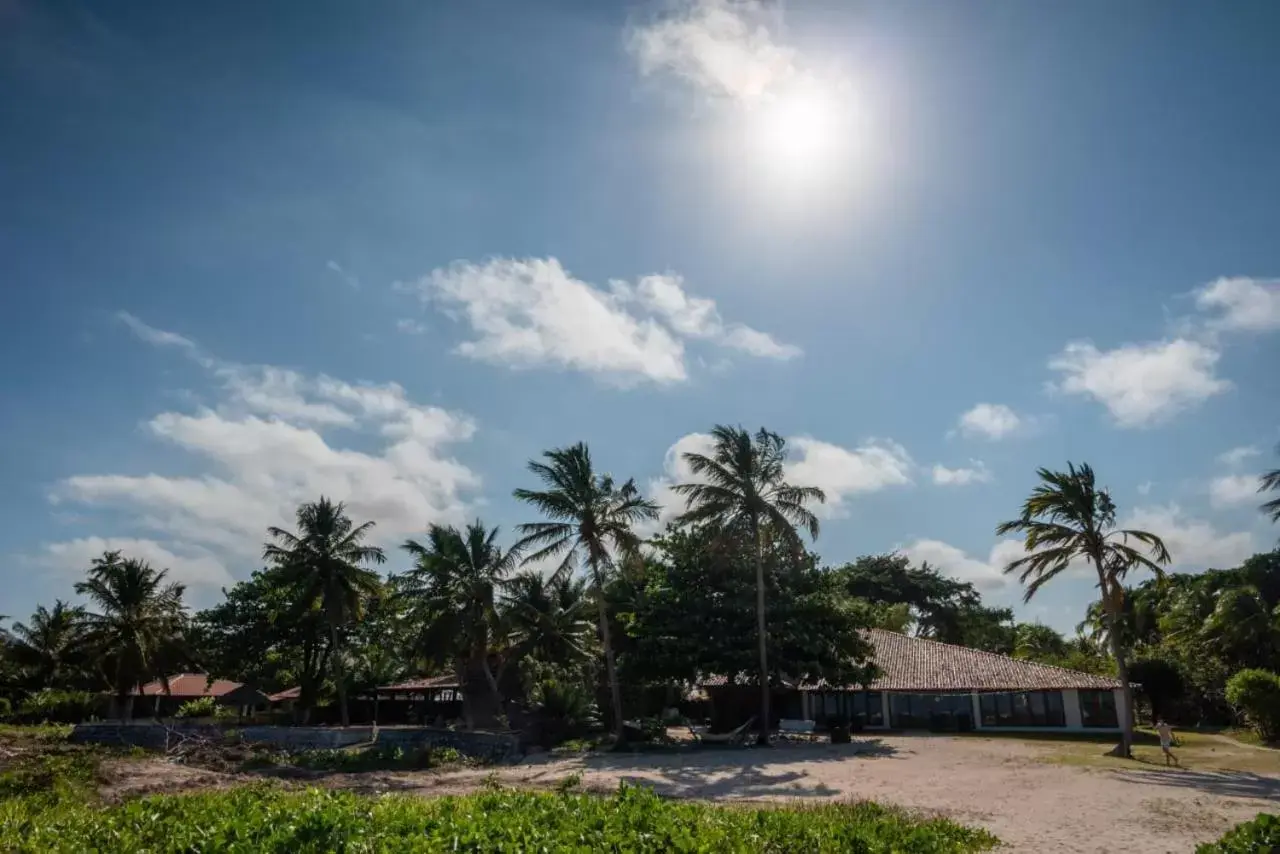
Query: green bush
point(563, 710)
point(269, 820)
point(384, 758)
point(1256, 693)
point(64, 707)
point(6, 709)
point(1253, 837)
point(203, 707)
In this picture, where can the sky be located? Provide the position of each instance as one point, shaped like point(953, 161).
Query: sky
point(388, 252)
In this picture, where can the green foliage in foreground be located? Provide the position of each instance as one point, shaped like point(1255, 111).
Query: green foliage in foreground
point(369, 759)
point(1257, 693)
point(1251, 837)
point(263, 819)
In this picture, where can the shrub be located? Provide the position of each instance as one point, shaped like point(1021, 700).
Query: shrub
point(563, 710)
point(636, 820)
point(50, 706)
point(203, 707)
point(1251, 837)
point(1256, 693)
point(6, 709)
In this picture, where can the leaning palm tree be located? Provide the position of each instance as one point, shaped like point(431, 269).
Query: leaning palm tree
point(1270, 482)
point(455, 586)
point(742, 487)
point(138, 626)
point(1068, 518)
point(322, 563)
point(50, 646)
point(590, 518)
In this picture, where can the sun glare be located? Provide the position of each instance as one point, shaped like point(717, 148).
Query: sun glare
point(802, 132)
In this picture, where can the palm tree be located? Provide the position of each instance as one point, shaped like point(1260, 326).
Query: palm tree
point(549, 618)
point(51, 644)
point(743, 488)
point(1270, 482)
point(592, 518)
point(1068, 518)
point(323, 564)
point(138, 626)
point(455, 583)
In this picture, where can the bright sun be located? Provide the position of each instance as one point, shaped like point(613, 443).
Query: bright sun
point(801, 133)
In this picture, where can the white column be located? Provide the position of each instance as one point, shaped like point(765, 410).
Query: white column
point(1071, 708)
point(977, 711)
point(884, 708)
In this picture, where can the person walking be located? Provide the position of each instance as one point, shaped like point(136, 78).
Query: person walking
point(1166, 742)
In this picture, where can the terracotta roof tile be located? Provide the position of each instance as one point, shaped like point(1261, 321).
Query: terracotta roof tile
point(190, 685)
point(287, 694)
point(918, 664)
point(421, 684)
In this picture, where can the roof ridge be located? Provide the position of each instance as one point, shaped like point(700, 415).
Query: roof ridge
point(1022, 661)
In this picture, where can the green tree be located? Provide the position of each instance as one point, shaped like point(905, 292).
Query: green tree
point(137, 628)
point(589, 517)
point(1038, 642)
point(742, 488)
point(549, 619)
point(1068, 518)
point(1256, 693)
point(322, 563)
point(1270, 482)
point(50, 647)
point(455, 584)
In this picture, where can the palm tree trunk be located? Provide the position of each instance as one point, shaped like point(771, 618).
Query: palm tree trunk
point(615, 690)
point(339, 678)
point(762, 637)
point(468, 696)
point(1125, 747)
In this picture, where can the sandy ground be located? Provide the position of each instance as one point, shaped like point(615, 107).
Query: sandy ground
point(1001, 784)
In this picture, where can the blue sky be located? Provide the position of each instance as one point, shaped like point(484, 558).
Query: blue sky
point(391, 251)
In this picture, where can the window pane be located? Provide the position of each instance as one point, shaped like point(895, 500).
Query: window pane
point(1038, 714)
point(1057, 716)
point(875, 712)
point(988, 702)
point(1004, 710)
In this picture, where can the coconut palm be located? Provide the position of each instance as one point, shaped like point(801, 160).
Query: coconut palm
point(742, 488)
point(1069, 518)
point(455, 585)
point(1270, 482)
point(322, 562)
point(50, 647)
point(590, 518)
point(137, 628)
point(549, 618)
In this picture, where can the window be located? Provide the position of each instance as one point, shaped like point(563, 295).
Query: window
point(1023, 708)
point(930, 711)
point(850, 705)
point(1098, 709)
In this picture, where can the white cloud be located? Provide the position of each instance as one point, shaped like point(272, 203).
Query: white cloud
point(987, 575)
point(534, 313)
point(676, 470)
point(203, 573)
point(1141, 384)
point(698, 317)
point(1233, 489)
point(1192, 543)
point(152, 335)
point(842, 473)
point(264, 449)
point(721, 47)
point(1144, 488)
point(1241, 304)
point(1237, 456)
point(976, 472)
point(992, 421)
point(409, 326)
point(337, 268)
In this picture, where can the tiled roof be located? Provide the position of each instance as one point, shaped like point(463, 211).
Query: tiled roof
point(190, 685)
point(425, 683)
point(917, 664)
point(287, 694)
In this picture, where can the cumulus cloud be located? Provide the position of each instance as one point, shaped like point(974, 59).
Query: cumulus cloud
point(1237, 456)
point(265, 447)
point(1141, 384)
point(534, 313)
point(985, 574)
point(1192, 543)
point(724, 48)
point(676, 470)
point(1232, 489)
point(975, 472)
point(1241, 304)
point(992, 421)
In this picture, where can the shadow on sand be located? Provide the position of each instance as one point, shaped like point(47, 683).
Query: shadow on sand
point(1231, 784)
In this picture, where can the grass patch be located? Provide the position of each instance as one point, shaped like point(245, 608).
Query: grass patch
point(263, 818)
point(39, 733)
point(1196, 751)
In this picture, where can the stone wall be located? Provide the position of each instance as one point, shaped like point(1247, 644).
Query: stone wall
point(495, 747)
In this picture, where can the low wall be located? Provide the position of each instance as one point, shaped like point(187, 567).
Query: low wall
point(493, 746)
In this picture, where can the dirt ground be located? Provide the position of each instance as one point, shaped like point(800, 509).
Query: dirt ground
point(1018, 789)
